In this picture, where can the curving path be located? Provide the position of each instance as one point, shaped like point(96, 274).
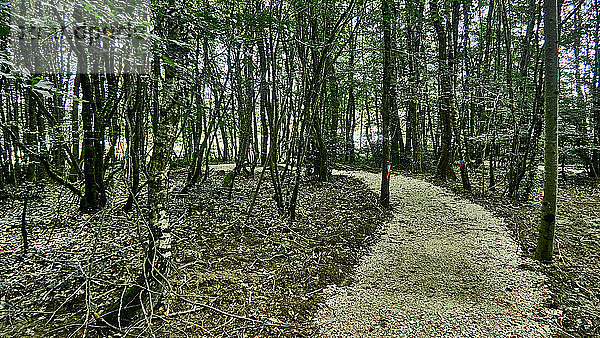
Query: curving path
point(443, 267)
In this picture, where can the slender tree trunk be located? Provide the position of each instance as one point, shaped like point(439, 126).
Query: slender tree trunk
point(596, 98)
point(545, 244)
point(456, 128)
point(396, 140)
point(334, 112)
point(264, 100)
point(246, 112)
point(225, 140)
point(74, 172)
point(414, 123)
point(350, 109)
point(444, 165)
point(386, 105)
point(93, 197)
point(134, 138)
point(148, 290)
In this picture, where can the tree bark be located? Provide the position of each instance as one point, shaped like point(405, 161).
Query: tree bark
point(148, 290)
point(74, 171)
point(596, 98)
point(350, 109)
point(94, 196)
point(545, 243)
point(133, 134)
point(444, 165)
point(386, 105)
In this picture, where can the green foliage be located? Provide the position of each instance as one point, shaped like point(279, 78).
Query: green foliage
point(228, 179)
point(4, 29)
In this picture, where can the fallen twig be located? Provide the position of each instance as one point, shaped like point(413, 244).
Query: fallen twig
point(206, 306)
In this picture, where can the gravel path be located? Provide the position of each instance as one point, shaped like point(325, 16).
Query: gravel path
point(443, 267)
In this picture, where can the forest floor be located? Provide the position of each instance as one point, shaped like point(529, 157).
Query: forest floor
point(231, 275)
point(443, 267)
point(574, 276)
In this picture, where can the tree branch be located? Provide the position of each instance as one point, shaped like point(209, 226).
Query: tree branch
point(49, 170)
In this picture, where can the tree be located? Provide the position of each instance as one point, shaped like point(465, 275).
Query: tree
point(386, 104)
point(444, 165)
point(596, 97)
point(149, 288)
point(545, 243)
point(350, 109)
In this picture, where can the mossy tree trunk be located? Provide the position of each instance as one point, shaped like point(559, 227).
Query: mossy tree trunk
point(545, 244)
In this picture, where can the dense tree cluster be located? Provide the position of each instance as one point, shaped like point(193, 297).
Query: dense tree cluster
point(303, 82)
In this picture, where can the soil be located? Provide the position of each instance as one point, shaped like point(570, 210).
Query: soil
point(232, 275)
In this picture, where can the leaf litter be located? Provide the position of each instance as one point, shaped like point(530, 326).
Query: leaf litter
point(231, 275)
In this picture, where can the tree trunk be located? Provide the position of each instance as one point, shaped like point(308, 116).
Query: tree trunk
point(264, 100)
point(134, 138)
point(334, 114)
point(350, 109)
point(246, 113)
point(453, 61)
point(94, 197)
point(596, 100)
point(395, 131)
point(149, 287)
point(386, 105)
point(444, 165)
point(545, 244)
point(74, 171)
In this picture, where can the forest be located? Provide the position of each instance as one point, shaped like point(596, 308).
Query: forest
point(335, 168)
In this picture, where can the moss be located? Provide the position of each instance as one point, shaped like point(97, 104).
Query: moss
point(125, 308)
point(227, 179)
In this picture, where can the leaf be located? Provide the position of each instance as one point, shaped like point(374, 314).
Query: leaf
point(44, 84)
point(168, 61)
point(44, 93)
point(4, 30)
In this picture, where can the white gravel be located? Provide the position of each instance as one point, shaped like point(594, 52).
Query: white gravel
point(444, 267)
